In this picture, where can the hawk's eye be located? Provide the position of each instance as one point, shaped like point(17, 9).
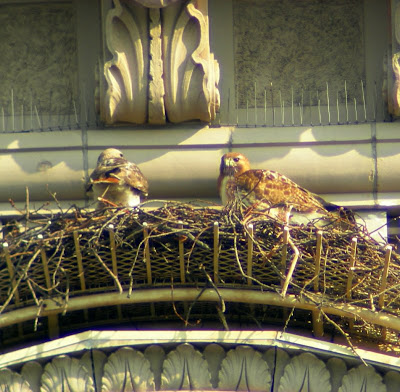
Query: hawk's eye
point(236, 159)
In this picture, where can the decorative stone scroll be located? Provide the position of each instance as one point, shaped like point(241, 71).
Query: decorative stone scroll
point(184, 367)
point(162, 69)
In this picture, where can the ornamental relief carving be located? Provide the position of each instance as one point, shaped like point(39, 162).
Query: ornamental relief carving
point(186, 368)
point(162, 69)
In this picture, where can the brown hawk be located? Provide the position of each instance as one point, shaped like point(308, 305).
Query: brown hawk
point(272, 193)
point(117, 182)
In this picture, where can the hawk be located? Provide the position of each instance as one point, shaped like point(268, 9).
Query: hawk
point(116, 181)
point(273, 193)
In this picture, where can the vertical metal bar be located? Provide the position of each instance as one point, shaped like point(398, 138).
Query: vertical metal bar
point(114, 261)
point(148, 261)
point(285, 239)
point(113, 250)
point(11, 272)
point(181, 255)
point(317, 260)
point(352, 263)
point(385, 272)
point(216, 253)
point(147, 252)
point(250, 234)
point(53, 326)
point(78, 256)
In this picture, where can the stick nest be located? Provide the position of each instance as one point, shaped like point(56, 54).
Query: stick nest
point(178, 242)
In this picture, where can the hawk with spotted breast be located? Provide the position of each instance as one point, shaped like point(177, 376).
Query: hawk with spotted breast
point(273, 193)
point(117, 182)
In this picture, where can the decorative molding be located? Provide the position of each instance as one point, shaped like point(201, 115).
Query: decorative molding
point(305, 373)
point(395, 109)
point(244, 369)
point(127, 369)
point(162, 67)
point(185, 368)
point(66, 374)
point(127, 73)
point(240, 368)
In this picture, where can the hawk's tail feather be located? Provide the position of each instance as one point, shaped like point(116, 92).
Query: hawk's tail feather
point(343, 212)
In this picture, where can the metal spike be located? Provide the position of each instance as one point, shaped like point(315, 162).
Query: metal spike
point(76, 114)
point(31, 111)
point(355, 109)
point(337, 106)
point(12, 111)
point(319, 109)
point(237, 104)
point(247, 112)
point(327, 102)
point(229, 106)
point(363, 99)
point(38, 119)
point(292, 108)
point(265, 107)
point(273, 108)
point(346, 103)
point(301, 114)
point(22, 118)
point(255, 103)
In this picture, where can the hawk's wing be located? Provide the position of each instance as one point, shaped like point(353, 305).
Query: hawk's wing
point(120, 171)
point(275, 190)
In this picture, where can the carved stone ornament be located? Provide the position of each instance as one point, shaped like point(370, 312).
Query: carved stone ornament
point(396, 85)
point(162, 68)
point(185, 367)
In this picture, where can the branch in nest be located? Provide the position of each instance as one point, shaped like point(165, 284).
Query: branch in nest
point(117, 282)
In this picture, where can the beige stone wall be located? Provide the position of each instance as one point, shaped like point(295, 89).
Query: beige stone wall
point(38, 49)
point(300, 44)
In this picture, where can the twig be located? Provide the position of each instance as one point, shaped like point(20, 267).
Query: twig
point(109, 271)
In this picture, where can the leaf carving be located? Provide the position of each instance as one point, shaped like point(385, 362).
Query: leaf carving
point(13, 382)
point(364, 379)
point(127, 73)
point(214, 354)
point(243, 369)
point(155, 355)
point(127, 370)
point(94, 361)
point(305, 373)
point(337, 367)
point(277, 360)
point(32, 373)
point(65, 374)
point(185, 368)
point(191, 73)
